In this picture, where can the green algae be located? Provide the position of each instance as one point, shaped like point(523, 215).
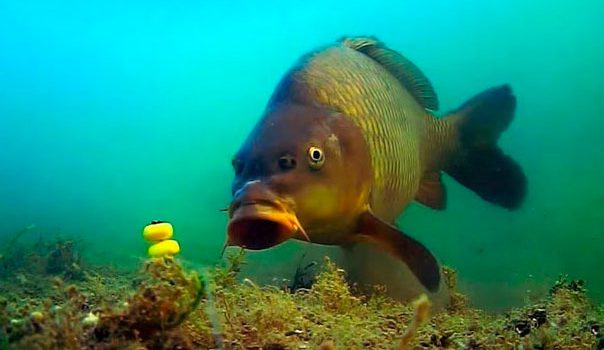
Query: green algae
point(165, 305)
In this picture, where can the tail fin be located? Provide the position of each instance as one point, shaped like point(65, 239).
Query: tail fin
point(479, 164)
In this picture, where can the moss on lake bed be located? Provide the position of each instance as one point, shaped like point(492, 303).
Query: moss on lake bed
point(167, 306)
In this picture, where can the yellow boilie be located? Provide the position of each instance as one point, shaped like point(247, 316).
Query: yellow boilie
point(158, 233)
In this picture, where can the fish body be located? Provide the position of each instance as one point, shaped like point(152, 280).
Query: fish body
point(404, 140)
point(349, 138)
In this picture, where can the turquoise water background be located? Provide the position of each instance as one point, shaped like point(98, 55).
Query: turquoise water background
point(115, 113)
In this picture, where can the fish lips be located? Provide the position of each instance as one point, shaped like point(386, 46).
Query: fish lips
point(258, 225)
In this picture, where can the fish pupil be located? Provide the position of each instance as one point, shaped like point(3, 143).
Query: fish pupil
point(316, 155)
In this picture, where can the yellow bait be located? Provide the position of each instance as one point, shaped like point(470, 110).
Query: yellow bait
point(167, 247)
point(158, 231)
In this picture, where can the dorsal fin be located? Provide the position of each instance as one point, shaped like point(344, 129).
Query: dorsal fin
point(404, 70)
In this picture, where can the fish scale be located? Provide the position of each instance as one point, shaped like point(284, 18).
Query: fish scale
point(384, 150)
point(389, 117)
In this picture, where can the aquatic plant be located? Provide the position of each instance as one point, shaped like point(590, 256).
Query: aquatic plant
point(7, 250)
point(304, 276)
point(164, 305)
point(162, 302)
point(60, 257)
point(64, 260)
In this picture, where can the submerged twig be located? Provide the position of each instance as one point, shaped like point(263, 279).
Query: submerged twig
point(422, 313)
point(212, 312)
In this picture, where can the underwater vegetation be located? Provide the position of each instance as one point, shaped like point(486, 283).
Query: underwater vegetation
point(44, 304)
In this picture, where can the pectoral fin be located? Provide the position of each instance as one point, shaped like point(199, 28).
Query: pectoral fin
point(417, 257)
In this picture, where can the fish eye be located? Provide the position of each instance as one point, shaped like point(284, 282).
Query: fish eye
point(287, 162)
point(237, 165)
point(316, 157)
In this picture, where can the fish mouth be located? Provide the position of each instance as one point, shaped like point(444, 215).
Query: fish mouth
point(261, 224)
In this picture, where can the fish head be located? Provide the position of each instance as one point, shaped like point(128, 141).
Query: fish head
point(304, 172)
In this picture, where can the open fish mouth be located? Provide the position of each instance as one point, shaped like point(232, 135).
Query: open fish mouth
point(258, 225)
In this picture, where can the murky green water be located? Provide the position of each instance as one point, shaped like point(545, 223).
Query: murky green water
point(113, 114)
